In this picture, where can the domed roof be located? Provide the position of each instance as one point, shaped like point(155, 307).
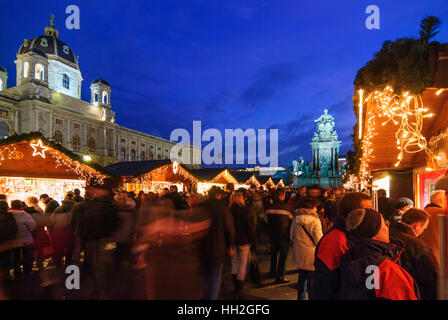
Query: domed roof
point(101, 81)
point(50, 45)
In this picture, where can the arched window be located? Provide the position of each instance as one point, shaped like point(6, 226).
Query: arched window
point(39, 72)
point(104, 97)
point(26, 68)
point(95, 96)
point(132, 155)
point(65, 81)
point(159, 156)
point(1, 84)
point(150, 156)
point(58, 136)
point(4, 130)
point(92, 145)
point(122, 153)
point(142, 155)
point(76, 143)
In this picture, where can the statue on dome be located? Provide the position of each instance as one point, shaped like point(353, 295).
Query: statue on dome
point(325, 127)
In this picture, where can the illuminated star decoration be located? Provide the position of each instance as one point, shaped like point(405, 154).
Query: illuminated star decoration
point(38, 146)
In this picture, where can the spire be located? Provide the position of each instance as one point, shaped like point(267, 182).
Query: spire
point(51, 30)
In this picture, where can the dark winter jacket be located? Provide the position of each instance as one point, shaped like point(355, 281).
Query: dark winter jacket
point(50, 206)
point(94, 219)
point(244, 226)
point(333, 245)
point(279, 216)
point(417, 259)
point(221, 234)
point(178, 202)
point(393, 282)
point(386, 207)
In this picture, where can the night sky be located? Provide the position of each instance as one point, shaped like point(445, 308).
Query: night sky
point(231, 64)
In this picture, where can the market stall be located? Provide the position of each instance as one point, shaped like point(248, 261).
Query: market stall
point(245, 179)
point(278, 182)
point(266, 181)
point(30, 165)
point(208, 177)
point(152, 175)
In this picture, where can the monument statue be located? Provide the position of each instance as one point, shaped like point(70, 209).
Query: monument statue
point(325, 126)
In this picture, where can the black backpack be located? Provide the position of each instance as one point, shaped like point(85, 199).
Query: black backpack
point(8, 228)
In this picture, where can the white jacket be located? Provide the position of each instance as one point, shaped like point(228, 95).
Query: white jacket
point(25, 227)
point(303, 247)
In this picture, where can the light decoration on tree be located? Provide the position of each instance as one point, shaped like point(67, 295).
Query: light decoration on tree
point(39, 149)
point(353, 183)
point(406, 112)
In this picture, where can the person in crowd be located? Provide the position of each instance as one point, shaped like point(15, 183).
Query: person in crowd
point(436, 207)
point(417, 258)
point(279, 216)
point(292, 200)
point(331, 247)
point(126, 208)
point(77, 194)
point(49, 203)
point(178, 202)
point(8, 232)
point(218, 242)
point(385, 204)
point(315, 192)
point(306, 231)
point(244, 240)
point(23, 252)
point(41, 239)
point(401, 206)
point(93, 220)
point(61, 231)
point(369, 270)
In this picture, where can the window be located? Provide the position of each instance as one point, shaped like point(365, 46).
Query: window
point(132, 155)
point(59, 121)
point(92, 130)
point(76, 144)
point(58, 137)
point(26, 67)
point(76, 126)
point(39, 72)
point(95, 96)
point(159, 156)
point(4, 131)
point(150, 156)
point(92, 145)
point(65, 81)
point(143, 145)
point(1, 84)
point(123, 140)
point(142, 155)
point(122, 153)
point(133, 142)
point(159, 148)
point(166, 150)
point(104, 97)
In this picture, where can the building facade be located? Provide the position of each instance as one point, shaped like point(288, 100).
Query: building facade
point(47, 98)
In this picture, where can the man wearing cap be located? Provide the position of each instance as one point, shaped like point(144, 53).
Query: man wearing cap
point(326, 281)
point(401, 206)
point(369, 270)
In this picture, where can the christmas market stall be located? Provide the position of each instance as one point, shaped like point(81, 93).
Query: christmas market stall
point(402, 137)
point(266, 181)
point(208, 177)
point(245, 179)
point(278, 182)
point(152, 175)
point(30, 165)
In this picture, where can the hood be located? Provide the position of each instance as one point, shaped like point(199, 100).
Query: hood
point(305, 216)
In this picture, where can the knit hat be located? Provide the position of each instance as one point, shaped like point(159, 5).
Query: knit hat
point(403, 202)
point(364, 223)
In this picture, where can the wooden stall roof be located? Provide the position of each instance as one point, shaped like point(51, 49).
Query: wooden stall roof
point(278, 181)
point(244, 177)
point(33, 156)
point(384, 142)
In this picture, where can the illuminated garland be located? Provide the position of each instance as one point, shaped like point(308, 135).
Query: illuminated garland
point(404, 111)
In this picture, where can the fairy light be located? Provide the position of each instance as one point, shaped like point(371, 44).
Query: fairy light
point(406, 112)
point(360, 92)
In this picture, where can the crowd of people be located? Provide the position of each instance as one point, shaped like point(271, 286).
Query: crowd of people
point(182, 242)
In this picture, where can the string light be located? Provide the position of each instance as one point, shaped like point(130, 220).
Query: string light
point(406, 112)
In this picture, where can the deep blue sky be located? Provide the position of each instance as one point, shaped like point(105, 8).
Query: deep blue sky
point(231, 64)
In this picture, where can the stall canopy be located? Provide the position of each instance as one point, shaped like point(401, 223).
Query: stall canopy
point(266, 181)
point(214, 175)
point(245, 177)
point(278, 182)
point(31, 165)
point(151, 175)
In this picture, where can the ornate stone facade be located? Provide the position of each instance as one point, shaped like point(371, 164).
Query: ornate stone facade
point(46, 98)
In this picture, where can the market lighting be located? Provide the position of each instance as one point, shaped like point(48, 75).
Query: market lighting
point(360, 92)
point(41, 148)
point(87, 158)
